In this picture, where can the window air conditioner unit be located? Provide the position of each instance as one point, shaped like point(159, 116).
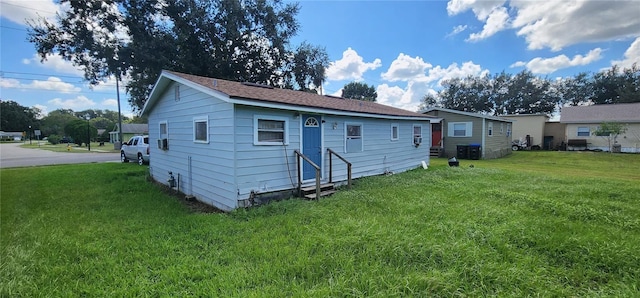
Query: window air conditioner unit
point(163, 144)
point(417, 140)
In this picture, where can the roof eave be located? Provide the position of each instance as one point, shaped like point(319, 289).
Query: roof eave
point(300, 108)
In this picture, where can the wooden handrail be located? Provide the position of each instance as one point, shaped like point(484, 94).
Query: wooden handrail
point(331, 152)
point(314, 165)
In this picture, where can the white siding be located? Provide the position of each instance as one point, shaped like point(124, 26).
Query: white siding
point(212, 167)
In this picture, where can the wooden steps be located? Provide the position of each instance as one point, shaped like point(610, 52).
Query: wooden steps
point(309, 192)
point(435, 151)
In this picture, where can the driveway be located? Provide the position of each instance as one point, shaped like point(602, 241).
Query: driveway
point(11, 156)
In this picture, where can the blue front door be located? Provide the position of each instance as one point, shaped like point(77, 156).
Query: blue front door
point(311, 144)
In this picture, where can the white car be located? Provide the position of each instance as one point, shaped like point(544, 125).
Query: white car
point(137, 148)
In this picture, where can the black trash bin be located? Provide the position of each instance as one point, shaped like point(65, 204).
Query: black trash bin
point(475, 151)
point(462, 152)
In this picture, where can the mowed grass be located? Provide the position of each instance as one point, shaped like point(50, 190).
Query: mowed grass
point(533, 224)
point(95, 147)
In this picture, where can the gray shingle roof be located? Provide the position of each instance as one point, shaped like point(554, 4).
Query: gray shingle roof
point(627, 113)
point(134, 128)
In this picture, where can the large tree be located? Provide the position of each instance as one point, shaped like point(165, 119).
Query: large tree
point(308, 66)
point(56, 121)
point(14, 117)
point(465, 94)
point(242, 40)
point(360, 91)
point(524, 93)
point(80, 131)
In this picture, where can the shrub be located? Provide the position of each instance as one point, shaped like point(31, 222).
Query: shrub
point(54, 139)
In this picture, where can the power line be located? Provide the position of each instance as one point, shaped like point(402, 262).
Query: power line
point(40, 74)
point(60, 81)
point(13, 28)
point(57, 91)
point(30, 8)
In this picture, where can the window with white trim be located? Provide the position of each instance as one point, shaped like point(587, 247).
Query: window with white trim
point(490, 128)
point(460, 129)
point(394, 131)
point(270, 130)
point(164, 130)
point(583, 131)
point(508, 129)
point(176, 94)
point(501, 128)
point(353, 137)
point(201, 129)
point(417, 134)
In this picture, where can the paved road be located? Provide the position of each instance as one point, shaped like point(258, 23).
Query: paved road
point(11, 156)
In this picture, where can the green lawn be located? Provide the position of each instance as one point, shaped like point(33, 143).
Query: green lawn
point(95, 147)
point(532, 224)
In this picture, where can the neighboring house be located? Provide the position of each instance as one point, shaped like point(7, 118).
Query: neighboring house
point(11, 136)
point(554, 136)
point(128, 130)
point(531, 125)
point(227, 142)
point(581, 121)
point(491, 134)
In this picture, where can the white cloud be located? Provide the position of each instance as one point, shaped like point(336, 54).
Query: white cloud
point(457, 30)
point(408, 98)
point(18, 11)
point(51, 84)
point(468, 68)
point(110, 102)
point(421, 80)
point(497, 21)
point(554, 24)
point(406, 68)
point(557, 24)
point(9, 83)
point(337, 93)
point(44, 110)
point(631, 56)
point(350, 67)
point(109, 85)
point(80, 102)
point(55, 63)
point(490, 12)
point(549, 65)
point(481, 8)
point(389, 95)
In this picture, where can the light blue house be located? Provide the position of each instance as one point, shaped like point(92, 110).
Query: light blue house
point(227, 143)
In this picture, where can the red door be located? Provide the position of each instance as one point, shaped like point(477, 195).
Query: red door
point(436, 134)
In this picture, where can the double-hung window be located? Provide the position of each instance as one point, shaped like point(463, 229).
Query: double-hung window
point(201, 129)
point(490, 128)
point(164, 130)
point(417, 134)
point(394, 132)
point(460, 129)
point(270, 130)
point(583, 131)
point(353, 137)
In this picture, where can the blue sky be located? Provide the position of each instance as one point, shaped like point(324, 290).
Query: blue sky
point(403, 48)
